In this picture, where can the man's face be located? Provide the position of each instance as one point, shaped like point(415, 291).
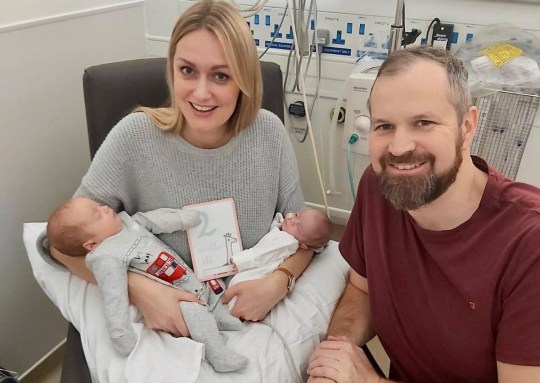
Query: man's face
point(416, 145)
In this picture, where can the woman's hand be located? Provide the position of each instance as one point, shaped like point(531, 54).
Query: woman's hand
point(341, 361)
point(257, 297)
point(158, 304)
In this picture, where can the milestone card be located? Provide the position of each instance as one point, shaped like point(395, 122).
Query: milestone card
point(213, 242)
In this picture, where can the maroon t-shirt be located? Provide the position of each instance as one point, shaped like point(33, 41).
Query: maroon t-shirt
point(447, 305)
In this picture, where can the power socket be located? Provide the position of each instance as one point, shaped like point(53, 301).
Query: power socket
point(442, 36)
point(323, 36)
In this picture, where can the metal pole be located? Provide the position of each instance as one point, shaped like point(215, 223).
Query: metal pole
point(396, 30)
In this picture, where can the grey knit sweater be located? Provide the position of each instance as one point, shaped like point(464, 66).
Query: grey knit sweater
point(141, 168)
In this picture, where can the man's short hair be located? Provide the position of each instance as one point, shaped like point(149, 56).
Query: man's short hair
point(458, 93)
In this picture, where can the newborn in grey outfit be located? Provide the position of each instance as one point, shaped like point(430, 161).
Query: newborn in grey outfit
point(114, 243)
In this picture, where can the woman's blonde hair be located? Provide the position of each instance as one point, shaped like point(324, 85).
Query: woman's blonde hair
point(235, 37)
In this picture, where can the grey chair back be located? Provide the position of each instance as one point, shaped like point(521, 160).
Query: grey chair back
point(111, 91)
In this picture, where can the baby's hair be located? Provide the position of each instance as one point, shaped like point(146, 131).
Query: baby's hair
point(63, 234)
point(324, 231)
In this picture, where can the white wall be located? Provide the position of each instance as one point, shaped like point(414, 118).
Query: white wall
point(43, 142)
point(45, 45)
point(468, 15)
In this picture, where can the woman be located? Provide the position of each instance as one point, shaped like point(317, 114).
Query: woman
point(212, 142)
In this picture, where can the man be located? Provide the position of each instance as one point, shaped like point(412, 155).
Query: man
point(444, 251)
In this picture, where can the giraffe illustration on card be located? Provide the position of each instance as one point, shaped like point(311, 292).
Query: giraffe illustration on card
point(229, 240)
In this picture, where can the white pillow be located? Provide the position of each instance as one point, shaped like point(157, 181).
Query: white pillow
point(301, 319)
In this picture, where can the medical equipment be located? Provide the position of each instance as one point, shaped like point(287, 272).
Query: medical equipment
point(357, 119)
point(505, 121)
point(504, 78)
point(357, 90)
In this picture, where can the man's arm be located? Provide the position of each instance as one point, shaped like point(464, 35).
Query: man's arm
point(340, 359)
point(352, 317)
point(511, 373)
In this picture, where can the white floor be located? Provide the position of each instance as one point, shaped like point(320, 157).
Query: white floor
point(49, 371)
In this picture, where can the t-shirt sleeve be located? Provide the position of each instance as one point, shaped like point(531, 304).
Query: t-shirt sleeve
point(351, 245)
point(518, 332)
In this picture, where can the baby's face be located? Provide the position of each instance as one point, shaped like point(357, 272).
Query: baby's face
point(301, 225)
point(98, 221)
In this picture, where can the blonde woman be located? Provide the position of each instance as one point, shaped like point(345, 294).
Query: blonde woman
point(212, 142)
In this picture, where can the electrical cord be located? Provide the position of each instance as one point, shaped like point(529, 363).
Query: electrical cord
point(352, 140)
point(295, 86)
point(287, 351)
point(308, 119)
point(275, 34)
point(250, 10)
point(434, 21)
point(305, 32)
point(312, 106)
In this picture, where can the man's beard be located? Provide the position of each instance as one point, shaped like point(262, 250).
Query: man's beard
point(412, 192)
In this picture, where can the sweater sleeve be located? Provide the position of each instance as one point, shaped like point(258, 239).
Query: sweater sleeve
point(108, 177)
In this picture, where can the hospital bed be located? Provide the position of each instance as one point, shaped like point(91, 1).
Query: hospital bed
point(278, 349)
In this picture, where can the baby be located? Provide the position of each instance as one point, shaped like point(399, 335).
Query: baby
point(113, 243)
point(305, 229)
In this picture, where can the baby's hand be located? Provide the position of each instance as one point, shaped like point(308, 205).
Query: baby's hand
point(190, 218)
point(167, 220)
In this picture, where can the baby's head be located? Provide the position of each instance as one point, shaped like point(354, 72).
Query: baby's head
point(80, 224)
point(310, 227)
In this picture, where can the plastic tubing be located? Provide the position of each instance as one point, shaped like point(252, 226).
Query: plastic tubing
point(332, 141)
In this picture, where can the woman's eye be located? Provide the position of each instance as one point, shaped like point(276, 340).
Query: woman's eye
point(186, 70)
point(221, 77)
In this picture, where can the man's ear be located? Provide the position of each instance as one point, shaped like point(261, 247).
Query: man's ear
point(469, 126)
point(90, 245)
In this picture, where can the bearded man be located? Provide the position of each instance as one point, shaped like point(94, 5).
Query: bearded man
point(444, 250)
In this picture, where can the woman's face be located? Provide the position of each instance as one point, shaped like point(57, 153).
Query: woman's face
point(204, 89)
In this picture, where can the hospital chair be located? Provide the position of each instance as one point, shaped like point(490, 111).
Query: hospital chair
point(111, 91)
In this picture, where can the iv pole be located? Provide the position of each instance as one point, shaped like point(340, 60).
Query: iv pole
point(396, 30)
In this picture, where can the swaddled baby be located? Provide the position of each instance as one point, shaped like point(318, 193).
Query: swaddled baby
point(114, 243)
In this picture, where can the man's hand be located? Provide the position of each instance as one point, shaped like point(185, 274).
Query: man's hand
point(341, 361)
point(158, 304)
point(257, 297)
point(319, 380)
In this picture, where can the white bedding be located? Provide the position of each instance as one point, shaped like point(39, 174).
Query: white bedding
point(301, 319)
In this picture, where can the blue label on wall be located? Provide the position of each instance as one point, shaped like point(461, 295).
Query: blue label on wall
point(286, 46)
point(336, 51)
